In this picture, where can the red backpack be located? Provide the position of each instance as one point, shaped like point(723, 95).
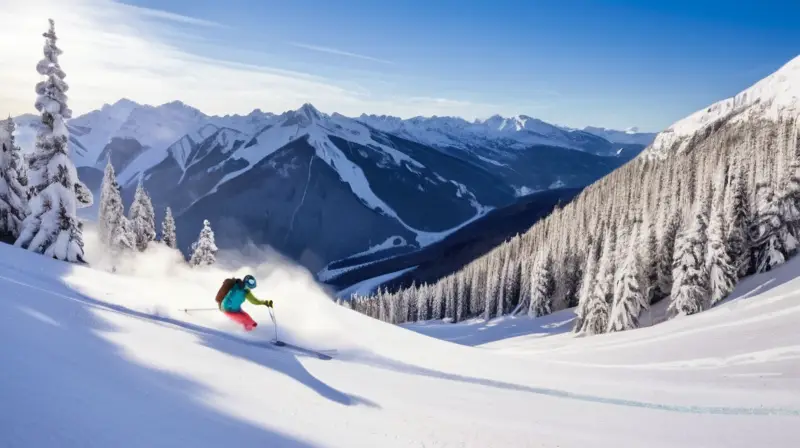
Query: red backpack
point(227, 284)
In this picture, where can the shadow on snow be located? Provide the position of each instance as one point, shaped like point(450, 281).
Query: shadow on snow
point(121, 402)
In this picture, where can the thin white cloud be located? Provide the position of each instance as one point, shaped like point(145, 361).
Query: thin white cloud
point(339, 52)
point(178, 18)
point(114, 51)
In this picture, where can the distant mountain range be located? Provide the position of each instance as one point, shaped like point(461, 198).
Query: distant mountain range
point(320, 187)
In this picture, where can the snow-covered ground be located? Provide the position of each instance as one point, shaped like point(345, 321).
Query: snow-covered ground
point(98, 359)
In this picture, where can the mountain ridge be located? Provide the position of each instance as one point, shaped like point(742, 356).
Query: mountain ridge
point(776, 95)
point(414, 189)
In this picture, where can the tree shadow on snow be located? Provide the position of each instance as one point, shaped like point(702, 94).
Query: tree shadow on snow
point(98, 396)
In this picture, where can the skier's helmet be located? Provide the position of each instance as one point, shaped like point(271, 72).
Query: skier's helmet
point(249, 281)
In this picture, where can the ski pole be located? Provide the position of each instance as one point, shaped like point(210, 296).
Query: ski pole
point(274, 323)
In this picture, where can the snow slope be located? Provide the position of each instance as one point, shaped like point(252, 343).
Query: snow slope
point(774, 96)
point(99, 359)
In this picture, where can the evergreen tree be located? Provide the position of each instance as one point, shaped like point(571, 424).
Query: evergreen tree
point(597, 309)
point(113, 227)
point(168, 231)
point(721, 272)
point(790, 199)
point(13, 197)
point(586, 288)
point(437, 302)
point(629, 299)
point(738, 222)
point(689, 274)
point(462, 297)
point(571, 278)
point(649, 260)
point(204, 250)
point(542, 286)
point(514, 281)
point(52, 227)
point(17, 160)
point(110, 203)
point(772, 241)
point(423, 308)
point(121, 236)
point(492, 287)
point(142, 218)
point(666, 254)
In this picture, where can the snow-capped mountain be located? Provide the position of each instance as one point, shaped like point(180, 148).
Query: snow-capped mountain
point(777, 95)
point(517, 132)
point(322, 187)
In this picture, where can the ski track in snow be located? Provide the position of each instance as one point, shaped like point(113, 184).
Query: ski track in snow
point(111, 345)
point(401, 367)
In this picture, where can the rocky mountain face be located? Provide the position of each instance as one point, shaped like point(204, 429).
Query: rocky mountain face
point(320, 187)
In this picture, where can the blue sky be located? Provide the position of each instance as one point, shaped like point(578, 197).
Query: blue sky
point(614, 63)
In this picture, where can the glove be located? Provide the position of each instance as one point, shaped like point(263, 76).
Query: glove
point(268, 303)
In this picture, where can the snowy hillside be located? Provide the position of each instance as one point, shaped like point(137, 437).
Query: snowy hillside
point(777, 95)
point(94, 362)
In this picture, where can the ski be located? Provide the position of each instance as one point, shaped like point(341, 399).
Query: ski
point(304, 351)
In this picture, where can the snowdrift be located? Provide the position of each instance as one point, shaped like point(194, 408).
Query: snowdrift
point(93, 358)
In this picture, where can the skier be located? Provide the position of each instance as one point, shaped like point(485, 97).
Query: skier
point(231, 295)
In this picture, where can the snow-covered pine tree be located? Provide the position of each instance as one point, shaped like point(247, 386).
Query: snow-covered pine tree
point(492, 285)
point(52, 227)
point(17, 162)
point(542, 285)
point(113, 227)
point(437, 302)
point(142, 218)
point(738, 219)
point(476, 291)
point(514, 281)
point(168, 231)
point(13, 195)
point(423, 308)
point(629, 299)
point(648, 256)
point(586, 287)
point(567, 275)
point(721, 272)
point(411, 302)
point(110, 203)
point(462, 297)
point(596, 317)
point(790, 198)
point(689, 275)
point(666, 255)
point(769, 246)
point(204, 250)
point(121, 236)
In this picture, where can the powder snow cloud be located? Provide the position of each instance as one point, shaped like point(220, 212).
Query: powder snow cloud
point(113, 50)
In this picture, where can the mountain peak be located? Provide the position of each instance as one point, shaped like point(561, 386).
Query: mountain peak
point(311, 112)
point(120, 109)
point(124, 102)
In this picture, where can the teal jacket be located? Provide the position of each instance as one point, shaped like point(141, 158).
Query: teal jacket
point(236, 296)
